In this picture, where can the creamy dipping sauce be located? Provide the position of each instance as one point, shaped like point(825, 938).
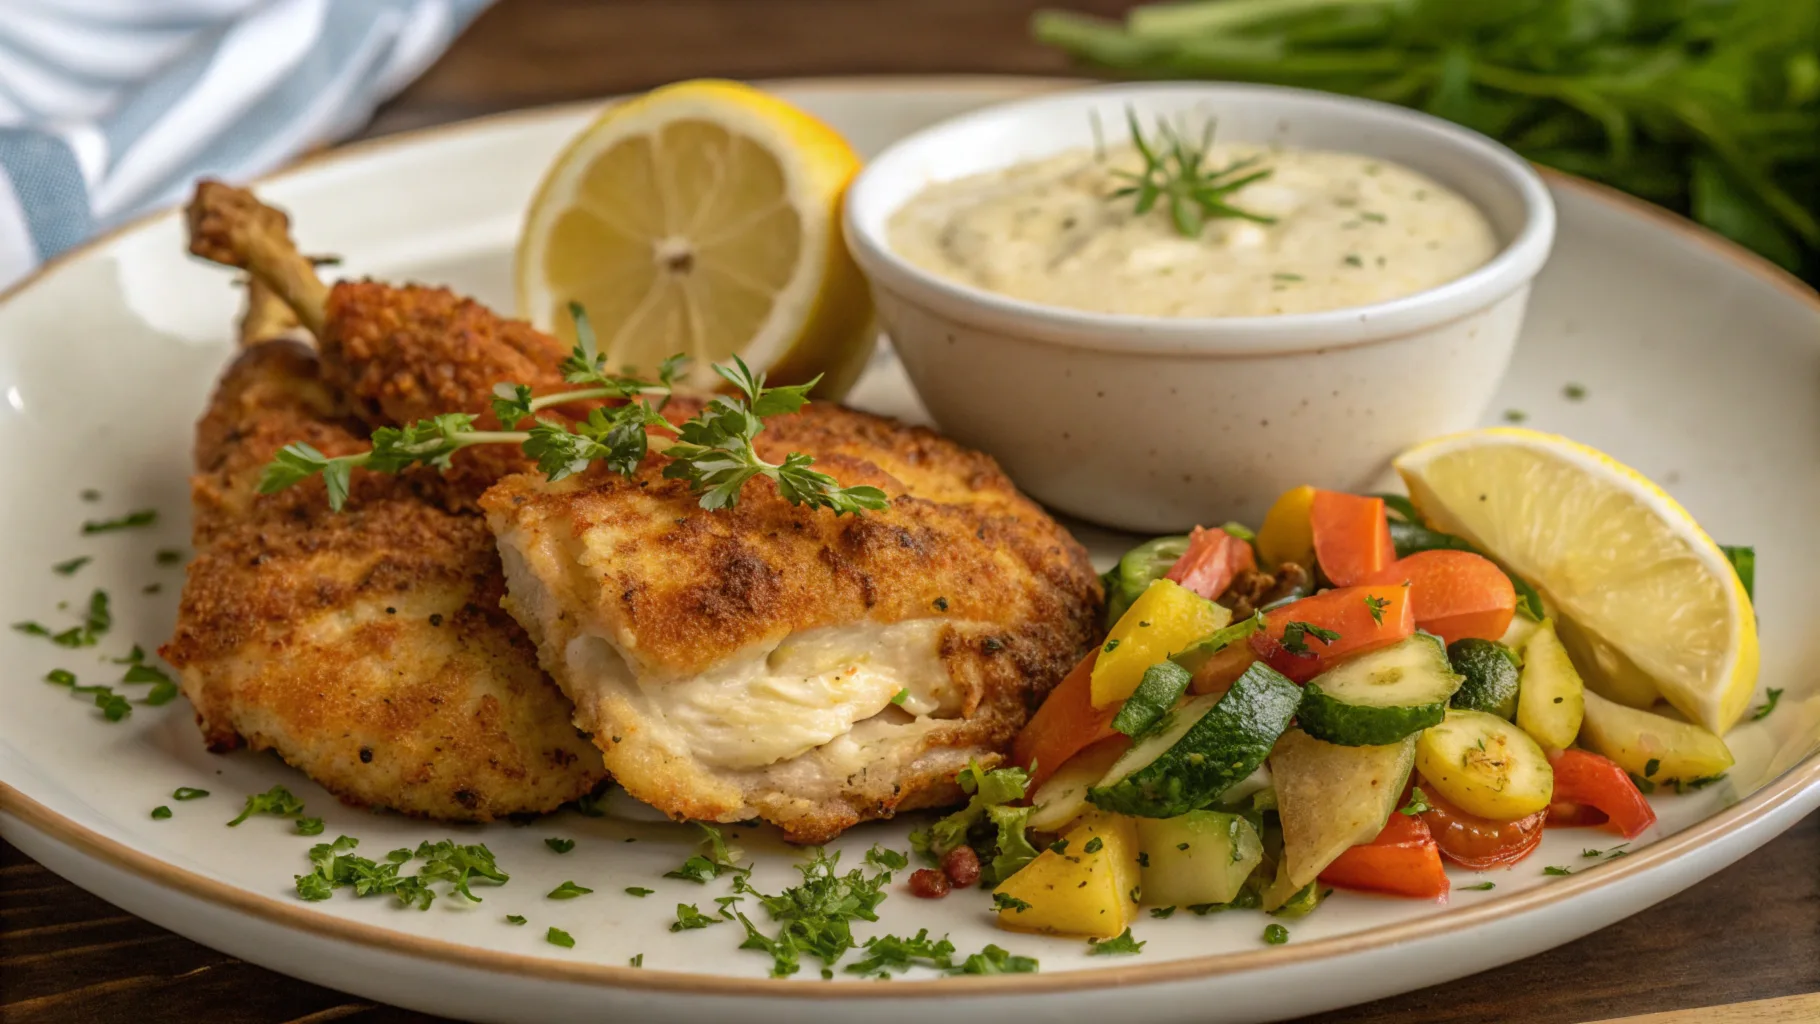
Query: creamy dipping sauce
point(1349, 230)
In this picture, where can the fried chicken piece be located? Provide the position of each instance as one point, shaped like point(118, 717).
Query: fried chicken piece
point(367, 648)
point(776, 662)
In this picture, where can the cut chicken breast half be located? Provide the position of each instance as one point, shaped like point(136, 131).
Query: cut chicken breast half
point(770, 661)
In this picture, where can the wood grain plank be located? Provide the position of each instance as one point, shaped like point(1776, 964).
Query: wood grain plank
point(1788, 1010)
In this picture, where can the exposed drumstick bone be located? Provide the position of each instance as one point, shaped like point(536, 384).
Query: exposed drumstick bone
point(266, 317)
point(230, 226)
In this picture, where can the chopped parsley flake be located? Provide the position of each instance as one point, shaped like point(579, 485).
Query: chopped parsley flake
point(1121, 945)
point(568, 891)
point(996, 960)
point(161, 812)
point(275, 801)
point(814, 918)
point(1515, 416)
point(1553, 870)
point(516, 919)
point(1276, 934)
point(690, 917)
point(1094, 845)
point(168, 556)
point(1162, 913)
point(1376, 605)
point(890, 860)
point(637, 961)
point(900, 696)
point(1294, 633)
point(1479, 887)
point(887, 953)
point(69, 568)
point(1651, 767)
point(1418, 802)
point(714, 858)
point(558, 937)
point(188, 793)
point(1774, 695)
point(309, 826)
point(560, 845)
point(638, 890)
point(132, 520)
point(1573, 392)
point(1006, 901)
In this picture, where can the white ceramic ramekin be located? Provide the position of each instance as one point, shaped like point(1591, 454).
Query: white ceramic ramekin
point(1152, 423)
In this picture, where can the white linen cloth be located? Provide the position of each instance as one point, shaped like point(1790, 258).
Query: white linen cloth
point(109, 108)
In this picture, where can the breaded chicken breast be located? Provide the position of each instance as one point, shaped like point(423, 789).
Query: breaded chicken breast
point(367, 648)
point(775, 662)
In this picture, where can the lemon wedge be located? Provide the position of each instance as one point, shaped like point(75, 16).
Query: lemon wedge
point(1612, 554)
point(702, 218)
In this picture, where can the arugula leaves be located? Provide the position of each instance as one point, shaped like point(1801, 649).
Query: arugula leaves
point(989, 823)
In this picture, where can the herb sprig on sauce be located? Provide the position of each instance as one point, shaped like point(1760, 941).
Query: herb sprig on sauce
point(1175, 174)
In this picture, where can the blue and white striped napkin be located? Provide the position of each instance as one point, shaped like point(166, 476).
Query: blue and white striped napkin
point(112, 107)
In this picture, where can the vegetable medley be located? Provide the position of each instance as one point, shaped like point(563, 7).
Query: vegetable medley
point(1347, 698)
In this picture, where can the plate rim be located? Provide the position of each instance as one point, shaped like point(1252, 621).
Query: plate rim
point(35, 815)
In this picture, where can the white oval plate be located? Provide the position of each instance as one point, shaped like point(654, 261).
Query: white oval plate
point(1699, 364)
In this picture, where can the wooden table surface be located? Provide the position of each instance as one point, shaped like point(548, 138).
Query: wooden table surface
point(1750, 933)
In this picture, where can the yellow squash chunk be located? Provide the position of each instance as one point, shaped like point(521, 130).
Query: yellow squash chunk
point(1635, 738)
point(1287, 534)
point(1165, 618)
point(1089, 888)
point(1485, 766)
point(1550, 698)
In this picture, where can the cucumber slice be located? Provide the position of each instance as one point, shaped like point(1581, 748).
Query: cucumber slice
point(1063, 798)
point(1207, 745)
point(1552, 700)
point(1140, 567)
point(1485, 766)
point(1380, 697)
point(1163, 684)
point(1331, 798)
point(1489, 670)
point(1194, 858)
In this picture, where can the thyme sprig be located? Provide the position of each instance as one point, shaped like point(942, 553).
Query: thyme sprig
point(714, 451)
point(1174, 173)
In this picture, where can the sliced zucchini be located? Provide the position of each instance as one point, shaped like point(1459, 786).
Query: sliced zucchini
point(1552, 700)
point(1488, 671)
point(1331, 798)
point(1380, 697)
point(1063, 797)
point(1199, 653)
point(1652, 746)
point(1140, 567)
point(1163, 684)
point(1207, 745)
point(1485, 766)
point(1194, 858)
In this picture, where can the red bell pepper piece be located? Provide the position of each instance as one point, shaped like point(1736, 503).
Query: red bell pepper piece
point(1478, 843)
point(1403, 860)
point(1365, 619)
point(1066, 724)
point(1351, 537)
point(1213, 558)
point(1457, 594)
point(1593, 790)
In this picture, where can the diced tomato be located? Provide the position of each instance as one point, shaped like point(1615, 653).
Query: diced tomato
point(1351, 537)
point(1365, 619)
point(1066, 724)
point(1456, 594)
point(1593, 790)
point(1479, 843)
point(1213, 558)
point(1404, 860)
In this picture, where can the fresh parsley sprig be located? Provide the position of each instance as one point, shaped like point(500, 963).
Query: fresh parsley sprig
point(1174, 173)
point(714, 451)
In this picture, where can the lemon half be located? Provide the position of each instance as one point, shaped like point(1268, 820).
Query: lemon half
point(702, 218)
point(1611, 553)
